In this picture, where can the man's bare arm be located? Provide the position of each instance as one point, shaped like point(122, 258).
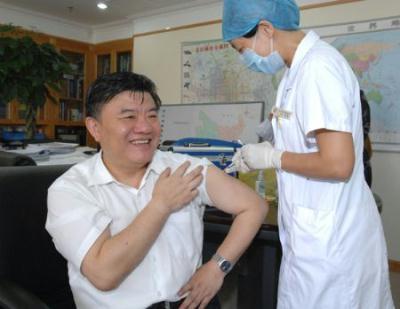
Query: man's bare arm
point(232, 196)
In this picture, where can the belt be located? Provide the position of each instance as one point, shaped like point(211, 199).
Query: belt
point(166, 304)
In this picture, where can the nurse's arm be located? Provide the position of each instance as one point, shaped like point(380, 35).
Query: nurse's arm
point(334, 160)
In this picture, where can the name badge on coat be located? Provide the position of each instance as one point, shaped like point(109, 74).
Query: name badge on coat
point(281, 113)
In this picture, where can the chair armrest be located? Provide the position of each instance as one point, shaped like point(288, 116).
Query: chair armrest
point(13, 296)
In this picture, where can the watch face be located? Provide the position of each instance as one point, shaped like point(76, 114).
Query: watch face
point(225, 266)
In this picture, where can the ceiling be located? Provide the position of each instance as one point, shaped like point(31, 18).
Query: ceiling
point(86, 11)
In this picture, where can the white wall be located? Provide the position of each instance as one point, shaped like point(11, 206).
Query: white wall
point(158, 56)
point(345, 13)
point(112, 31)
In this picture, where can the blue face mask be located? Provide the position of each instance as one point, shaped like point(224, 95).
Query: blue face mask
point(270, 64)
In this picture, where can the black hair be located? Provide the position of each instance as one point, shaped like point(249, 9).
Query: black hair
point(251, 33)
point(362, 95)
point(107, 86)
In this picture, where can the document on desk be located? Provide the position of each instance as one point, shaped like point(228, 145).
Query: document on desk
point(36, 152)
point(59, 148)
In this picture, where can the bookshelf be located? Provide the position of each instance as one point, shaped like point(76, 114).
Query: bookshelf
point(65, 119)
point(103, 64)
point(114, 56)
point(5, 110)
point(72, 89)
point(124, 61)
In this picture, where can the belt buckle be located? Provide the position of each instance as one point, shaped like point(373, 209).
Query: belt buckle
point(167, 305)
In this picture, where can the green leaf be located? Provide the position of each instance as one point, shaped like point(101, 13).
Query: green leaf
point(7, 28)
point(28, 69)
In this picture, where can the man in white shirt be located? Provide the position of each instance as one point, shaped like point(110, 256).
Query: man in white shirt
point(129, 220)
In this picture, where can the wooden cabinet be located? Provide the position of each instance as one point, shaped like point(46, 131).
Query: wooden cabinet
point(72, 88)
point(66, 116)
point(103, 64)
point(65, 119)
point(114, 56)
point(5, 111)
point(124, 61)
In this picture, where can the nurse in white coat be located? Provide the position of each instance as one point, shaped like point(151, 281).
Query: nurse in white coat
point(334, 251)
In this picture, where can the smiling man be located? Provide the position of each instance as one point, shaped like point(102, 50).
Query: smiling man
point(129, 219)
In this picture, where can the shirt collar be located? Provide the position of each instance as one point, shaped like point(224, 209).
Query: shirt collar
point(305, 45)
point(101, 175)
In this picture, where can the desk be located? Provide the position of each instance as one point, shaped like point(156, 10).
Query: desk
point(54, 153)
point(257, 271)
point(69, 158)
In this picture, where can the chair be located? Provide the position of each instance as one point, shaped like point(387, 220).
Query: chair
point(32, 273)
point(15, 159)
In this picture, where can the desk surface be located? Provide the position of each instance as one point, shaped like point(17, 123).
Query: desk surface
point(68, 158)
point(55, 153)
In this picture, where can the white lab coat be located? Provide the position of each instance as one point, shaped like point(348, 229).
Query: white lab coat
point(334, 251)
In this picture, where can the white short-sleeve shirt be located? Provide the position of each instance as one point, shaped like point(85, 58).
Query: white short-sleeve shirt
point(86, 199)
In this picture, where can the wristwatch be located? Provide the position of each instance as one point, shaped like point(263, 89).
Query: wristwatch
point(223, 264)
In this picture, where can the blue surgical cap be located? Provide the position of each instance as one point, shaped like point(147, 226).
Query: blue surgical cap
point(241, 16)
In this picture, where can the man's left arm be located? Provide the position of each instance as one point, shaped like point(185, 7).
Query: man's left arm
point(249, 210)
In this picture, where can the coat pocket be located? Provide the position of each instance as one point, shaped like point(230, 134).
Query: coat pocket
point(312, 233)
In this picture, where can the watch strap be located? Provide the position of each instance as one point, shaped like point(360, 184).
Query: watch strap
point(225, 265)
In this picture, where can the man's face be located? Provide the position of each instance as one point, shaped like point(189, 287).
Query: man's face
point(128, 130)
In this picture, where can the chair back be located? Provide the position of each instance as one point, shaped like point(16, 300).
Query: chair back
point(28, 257)
point(15, 159)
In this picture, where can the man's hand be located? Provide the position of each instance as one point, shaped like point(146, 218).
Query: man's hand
point(174, 190)
point(256, 157)
point(203, 286)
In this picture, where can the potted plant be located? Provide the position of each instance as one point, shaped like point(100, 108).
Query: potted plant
point(29, 73)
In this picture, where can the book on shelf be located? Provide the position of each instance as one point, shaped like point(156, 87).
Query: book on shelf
point(69, 112)
point(72, 88)
point(68, 76)
point(79, 91)
point(5, 110)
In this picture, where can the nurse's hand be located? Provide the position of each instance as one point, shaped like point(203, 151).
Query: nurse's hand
point(256, 157)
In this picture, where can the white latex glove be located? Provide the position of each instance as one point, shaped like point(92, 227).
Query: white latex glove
point(265, 131)
point(257, 157)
